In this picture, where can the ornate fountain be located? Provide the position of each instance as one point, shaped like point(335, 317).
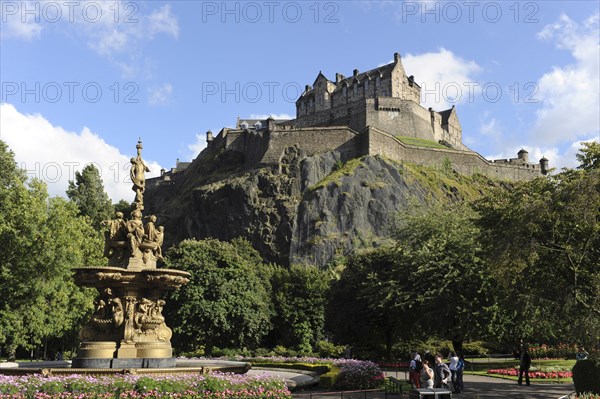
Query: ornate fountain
point(127, 328)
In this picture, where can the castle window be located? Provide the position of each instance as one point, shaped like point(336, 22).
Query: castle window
point(367, 85)
point(355, 88)
point(258, 125)
point(244, 125)
point(345, 91)
point(377, 81)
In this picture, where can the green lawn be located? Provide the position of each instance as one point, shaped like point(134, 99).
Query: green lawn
point(420, 142)
point(486, 364)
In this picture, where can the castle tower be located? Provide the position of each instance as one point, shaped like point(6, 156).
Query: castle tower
point(523, 155)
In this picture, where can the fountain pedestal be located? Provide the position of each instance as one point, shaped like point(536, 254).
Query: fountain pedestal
point(127, 329)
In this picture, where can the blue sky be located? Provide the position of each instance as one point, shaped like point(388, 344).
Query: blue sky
point(82, 80)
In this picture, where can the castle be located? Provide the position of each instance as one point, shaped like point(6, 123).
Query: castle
point(377, 112)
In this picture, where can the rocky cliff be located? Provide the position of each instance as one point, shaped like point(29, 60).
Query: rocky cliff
point(309, 209)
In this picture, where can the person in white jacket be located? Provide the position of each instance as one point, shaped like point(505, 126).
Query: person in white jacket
point(453, 368)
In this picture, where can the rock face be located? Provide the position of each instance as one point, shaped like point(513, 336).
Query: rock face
point(309, 210)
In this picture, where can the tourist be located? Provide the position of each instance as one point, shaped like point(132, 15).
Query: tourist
point(415, 368)
point(453, 365)
point(442, 373)
point(426, 375)
point(582, 354)
point(524, 365)
point(458, 386)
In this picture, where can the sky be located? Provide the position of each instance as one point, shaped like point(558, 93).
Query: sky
point(81, 81)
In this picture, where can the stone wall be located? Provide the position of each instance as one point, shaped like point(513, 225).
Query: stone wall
point(352, 115)
point(400, 117)
point(250, 143)
point(463, 162)
point(314, 141)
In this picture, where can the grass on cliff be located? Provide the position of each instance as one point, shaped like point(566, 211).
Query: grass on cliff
point(441, 182)
point(420, 142)
point(438, 182)
point(345, 169)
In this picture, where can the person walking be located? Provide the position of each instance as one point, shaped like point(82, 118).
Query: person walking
point(524, 365)
point(415, 368)
point(459, 387)
point(426, 375)
point(442, 373)
point(453, 365)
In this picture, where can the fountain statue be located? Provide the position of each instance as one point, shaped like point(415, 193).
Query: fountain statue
point(127, 328)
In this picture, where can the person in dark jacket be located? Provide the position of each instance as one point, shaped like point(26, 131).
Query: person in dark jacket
point(442, 373)
point(524, 365)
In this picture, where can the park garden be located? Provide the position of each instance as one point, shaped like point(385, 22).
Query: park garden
point(518, 264)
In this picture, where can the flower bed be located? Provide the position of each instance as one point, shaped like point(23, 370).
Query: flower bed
point(394, 365)
point(559, 351)
point(533, 374)
point(182, 386)
point(358, 374)
point(344, 373)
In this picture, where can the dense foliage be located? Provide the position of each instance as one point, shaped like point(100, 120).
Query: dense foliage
point(586, 375)
point(226, 303)
point(87, 192)
point(542, 243)
point(299, 297)
point(40, 240)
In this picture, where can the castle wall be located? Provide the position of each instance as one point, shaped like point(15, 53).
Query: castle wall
point(353, 115)
point(252, 144)
point(313, 141)
point(400, 117)
point(463, 162)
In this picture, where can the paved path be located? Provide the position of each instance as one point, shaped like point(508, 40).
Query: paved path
point(476, 387)
point(487, 388)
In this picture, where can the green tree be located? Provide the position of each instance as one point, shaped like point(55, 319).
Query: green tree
point(446, 281)
point(361, 312)
point(431, 283)
point(40, 241)
point(227, 301)
point(542, 240)
point(299, 296)
point(87, 192)
point(122, 206)
point(589, 156)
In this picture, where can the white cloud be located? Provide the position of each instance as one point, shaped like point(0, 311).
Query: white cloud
point(18, 24)
point(197, 146)
point(162, 21)
point(559, 158)
point(53, 154)
point(570, 94)
point(160, 95)
point(442, 76)
point(115, 29)
point(491, 128)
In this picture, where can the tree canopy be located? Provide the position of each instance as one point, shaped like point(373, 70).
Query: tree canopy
point(41, 239)
point(87, 192)
point(542, 240)
point(226, 303)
